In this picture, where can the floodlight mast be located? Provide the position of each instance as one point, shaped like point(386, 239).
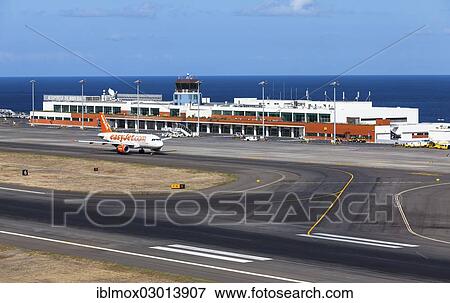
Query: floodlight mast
point(82, 82)
point(138, 85)
point(263, 85)
point(335, 84)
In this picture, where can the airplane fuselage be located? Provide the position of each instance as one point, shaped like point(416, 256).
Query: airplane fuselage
point(133, 141)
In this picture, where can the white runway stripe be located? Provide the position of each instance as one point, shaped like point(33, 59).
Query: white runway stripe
point(368, 240)
point(200, 254)
point(23, 191)
point(219, 252)
point(349, 241)
point(150, 257)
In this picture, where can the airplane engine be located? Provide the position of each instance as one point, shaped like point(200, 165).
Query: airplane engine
point(123, 149)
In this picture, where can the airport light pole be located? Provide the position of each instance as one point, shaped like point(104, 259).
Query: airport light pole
point(263, 85)
point(33, 83)
point(334, 84)
point(138, 85)
point(82, 82)
point(198, 108)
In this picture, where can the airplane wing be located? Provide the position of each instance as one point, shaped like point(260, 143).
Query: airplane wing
point(95, 142)
point(113, 143)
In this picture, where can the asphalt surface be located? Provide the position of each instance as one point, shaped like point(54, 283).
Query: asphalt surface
point(404, 239)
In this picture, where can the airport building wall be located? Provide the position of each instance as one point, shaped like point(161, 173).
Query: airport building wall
point(435, 132)
point(282, 118)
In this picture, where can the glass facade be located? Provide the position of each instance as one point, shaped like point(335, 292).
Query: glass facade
point(287, 117)
point(311, 117)
point(324, 118)
point(299, 117)
point(154, 111)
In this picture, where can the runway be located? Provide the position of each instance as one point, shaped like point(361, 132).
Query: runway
point(286, 249)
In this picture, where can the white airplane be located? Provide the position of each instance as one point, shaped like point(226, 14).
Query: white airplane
point(124, 142)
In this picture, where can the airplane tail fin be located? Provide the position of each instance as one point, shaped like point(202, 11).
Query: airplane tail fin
point(106, 128)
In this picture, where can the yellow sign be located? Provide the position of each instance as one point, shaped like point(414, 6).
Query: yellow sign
point(178, 186)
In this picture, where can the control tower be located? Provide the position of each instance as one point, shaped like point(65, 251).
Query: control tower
point(187, 90)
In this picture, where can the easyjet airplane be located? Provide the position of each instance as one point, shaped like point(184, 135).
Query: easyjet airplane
point(124, 142)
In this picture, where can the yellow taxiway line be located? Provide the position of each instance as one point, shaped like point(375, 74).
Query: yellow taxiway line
point(338, 195)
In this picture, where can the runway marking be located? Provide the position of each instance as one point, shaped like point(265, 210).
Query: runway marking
point(220, 252)
point(200, 254)
point(360, 241)
point(210, 253)
point(368, 240)
point(338, 195)
point(23, 191)
point(248, 273)
point(405, 219)
point(425, 174)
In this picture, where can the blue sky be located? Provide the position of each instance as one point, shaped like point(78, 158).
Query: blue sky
point(232, 37)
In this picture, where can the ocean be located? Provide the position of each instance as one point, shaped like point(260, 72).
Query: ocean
point(431, 94)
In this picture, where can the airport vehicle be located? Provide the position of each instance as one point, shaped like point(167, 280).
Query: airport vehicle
point(238, 136)
point(442, 145)
point(302, 139)
point(172, 135)
point(251, 138)
point(7, 113)
point(357, 140)
point(178, 131)
point(124, 142)
point(417, 144)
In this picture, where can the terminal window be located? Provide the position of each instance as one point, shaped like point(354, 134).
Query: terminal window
point(312, 117)
point(299, 117)
point(324, 118)
point(287, 117)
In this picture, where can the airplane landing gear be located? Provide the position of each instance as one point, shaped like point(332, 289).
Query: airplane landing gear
point(142, 151)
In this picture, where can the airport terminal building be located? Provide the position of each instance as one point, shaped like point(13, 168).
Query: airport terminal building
point(282, 118)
